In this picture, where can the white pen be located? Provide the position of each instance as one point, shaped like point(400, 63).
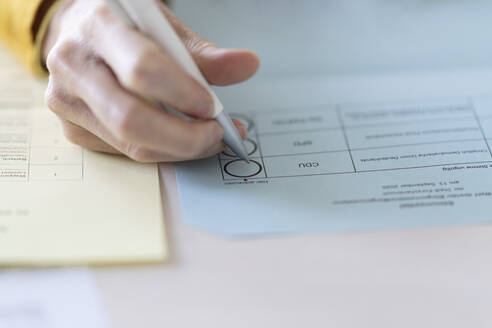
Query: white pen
point(149, 19)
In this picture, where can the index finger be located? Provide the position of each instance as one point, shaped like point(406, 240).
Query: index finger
point(143, 67)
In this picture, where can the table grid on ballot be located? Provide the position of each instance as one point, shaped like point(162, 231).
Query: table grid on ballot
point(32, 148)
point(362, 138)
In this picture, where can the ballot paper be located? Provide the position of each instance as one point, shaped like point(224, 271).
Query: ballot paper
point(61, 204)
point(50, 299)
point(348, 165)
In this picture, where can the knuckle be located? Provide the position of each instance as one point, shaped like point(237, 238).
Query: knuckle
point(101, 10)
point(196, 44)
point(125, 120)
point(142, 70)
point(61, 54)
point(89, 23)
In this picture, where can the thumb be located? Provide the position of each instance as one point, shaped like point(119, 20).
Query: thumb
point(219, 66)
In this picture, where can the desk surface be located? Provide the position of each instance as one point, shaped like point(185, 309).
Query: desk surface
point(412, 278)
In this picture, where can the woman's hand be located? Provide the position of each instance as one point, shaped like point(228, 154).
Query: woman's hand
point(103, 74)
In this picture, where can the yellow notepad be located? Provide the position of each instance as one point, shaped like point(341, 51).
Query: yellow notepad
point(61, 204)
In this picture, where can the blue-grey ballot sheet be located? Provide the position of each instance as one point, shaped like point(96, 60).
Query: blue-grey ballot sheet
point(350, 154)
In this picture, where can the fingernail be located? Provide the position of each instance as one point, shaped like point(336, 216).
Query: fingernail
point(241, 127)
point(243, 131)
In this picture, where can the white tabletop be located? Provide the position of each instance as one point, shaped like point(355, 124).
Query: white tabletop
point(409, 278)
point(412, 278)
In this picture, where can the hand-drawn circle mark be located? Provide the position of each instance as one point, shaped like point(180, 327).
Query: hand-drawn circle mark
point(250, 145)
point(227, 169)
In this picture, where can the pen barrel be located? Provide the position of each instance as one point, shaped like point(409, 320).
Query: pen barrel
point(149, 19)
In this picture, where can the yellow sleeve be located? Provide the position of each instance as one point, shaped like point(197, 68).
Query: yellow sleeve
point(17, 30)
